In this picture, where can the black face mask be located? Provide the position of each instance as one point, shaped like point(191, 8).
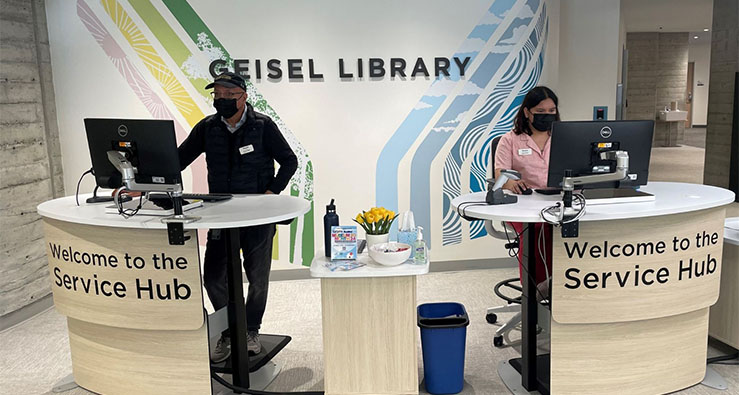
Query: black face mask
point(225, 107)
point(543, 122)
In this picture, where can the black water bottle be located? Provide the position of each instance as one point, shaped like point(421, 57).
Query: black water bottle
point(329, 220)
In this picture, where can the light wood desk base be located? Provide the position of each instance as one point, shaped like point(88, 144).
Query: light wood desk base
point(640, 357)
point(126, 361)
point(723, 324)
point(370, 335)
point(640, 336)
point(130, 345)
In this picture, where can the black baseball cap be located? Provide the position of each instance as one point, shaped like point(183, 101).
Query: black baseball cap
point(228, 79)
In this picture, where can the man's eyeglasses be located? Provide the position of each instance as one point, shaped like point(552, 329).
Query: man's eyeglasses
point(226, 95)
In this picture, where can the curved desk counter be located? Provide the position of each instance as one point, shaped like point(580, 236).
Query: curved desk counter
point(134, 303)
point(369, 327)
point(724, 322)
point(630, 296)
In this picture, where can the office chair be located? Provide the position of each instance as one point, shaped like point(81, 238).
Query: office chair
point(513, 303)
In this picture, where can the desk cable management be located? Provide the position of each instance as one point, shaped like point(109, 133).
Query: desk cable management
point(126, 213)
point(514, 250)
point(122, 211)
point(557, 215)
point(77, 193)
point(461, 209)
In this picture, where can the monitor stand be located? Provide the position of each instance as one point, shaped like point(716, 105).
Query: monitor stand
point(612, 196)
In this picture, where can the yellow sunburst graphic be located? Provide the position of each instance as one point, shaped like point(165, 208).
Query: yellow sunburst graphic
point(153, 62)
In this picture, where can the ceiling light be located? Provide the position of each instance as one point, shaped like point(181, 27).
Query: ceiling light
point(705, 30)
point(695, 37)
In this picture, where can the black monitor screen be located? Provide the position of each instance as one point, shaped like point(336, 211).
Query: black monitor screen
point(576, 146)
point(149, 145)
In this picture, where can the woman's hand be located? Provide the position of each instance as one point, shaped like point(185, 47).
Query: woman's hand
point(515, 186)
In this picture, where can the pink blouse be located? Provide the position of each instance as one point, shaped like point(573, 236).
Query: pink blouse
point(519, 152)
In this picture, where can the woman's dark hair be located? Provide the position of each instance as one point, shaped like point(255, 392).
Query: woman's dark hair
point(531, 100)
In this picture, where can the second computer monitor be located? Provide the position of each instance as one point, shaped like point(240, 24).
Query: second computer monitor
point(576, 146)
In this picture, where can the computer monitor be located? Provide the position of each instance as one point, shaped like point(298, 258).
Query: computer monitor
point(149, 145)
point(576, 146)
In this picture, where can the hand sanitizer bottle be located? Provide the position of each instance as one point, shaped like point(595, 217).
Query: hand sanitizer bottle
point(420, 251)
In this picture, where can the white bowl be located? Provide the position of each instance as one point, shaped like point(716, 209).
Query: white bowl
point(388, 254)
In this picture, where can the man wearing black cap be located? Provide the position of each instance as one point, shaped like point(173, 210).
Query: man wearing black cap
point(240, 147)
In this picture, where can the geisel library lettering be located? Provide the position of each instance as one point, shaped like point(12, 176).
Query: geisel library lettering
point(299, 69)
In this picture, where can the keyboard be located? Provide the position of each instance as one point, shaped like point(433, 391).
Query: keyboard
point(207, 197)
point(548, 191)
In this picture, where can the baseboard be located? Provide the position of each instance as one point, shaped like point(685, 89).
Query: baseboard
point(16, 317)
point(303, 273)
point(699, 126)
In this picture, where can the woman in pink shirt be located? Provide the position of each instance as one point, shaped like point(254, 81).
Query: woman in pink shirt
point(526, 150)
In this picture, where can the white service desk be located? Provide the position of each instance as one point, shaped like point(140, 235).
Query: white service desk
point(629, 297)
point(369, 327)
point(134, 303)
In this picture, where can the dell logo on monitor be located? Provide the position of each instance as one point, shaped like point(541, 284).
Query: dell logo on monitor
point(606, 132)
point(123, 131)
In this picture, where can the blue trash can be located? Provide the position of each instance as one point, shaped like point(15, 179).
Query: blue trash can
point(443, 336)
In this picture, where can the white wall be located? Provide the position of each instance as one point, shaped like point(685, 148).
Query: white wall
point(588, 57)
point(342, 125)
point(700, 53)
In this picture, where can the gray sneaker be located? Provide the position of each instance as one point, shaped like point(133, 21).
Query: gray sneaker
point(253, 345)
point(222, 350)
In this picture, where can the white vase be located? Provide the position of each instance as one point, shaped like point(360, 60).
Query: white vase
point(377, 239)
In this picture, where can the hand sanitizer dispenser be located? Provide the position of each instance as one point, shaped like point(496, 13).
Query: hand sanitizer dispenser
point(420, 252)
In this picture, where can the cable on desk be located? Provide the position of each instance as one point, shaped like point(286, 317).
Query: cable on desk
point(557, 212)
point(126, 213)
point(463, 206)
point(242, 390)
point(77, 193)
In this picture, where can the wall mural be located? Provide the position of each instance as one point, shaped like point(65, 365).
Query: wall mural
point(511, 38)
point(195, 74)
point(452, 124)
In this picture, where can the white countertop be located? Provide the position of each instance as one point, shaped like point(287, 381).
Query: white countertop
point(240, 211)
point(370, 269)
point(731, 231)
point(670, 198)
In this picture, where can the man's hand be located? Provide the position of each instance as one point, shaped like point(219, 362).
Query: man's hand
point(268, 192)
point(515, 186)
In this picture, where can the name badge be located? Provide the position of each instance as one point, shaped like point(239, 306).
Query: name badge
point(250, 148)
point(524, 151)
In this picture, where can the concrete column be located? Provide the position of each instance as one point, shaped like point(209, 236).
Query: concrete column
point(657, 76)
point(724, 66)
point(30, 156)
point(672, 82)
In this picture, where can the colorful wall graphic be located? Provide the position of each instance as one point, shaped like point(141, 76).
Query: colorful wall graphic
point(301, 231)
point(510, 39)
point(403, 143)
